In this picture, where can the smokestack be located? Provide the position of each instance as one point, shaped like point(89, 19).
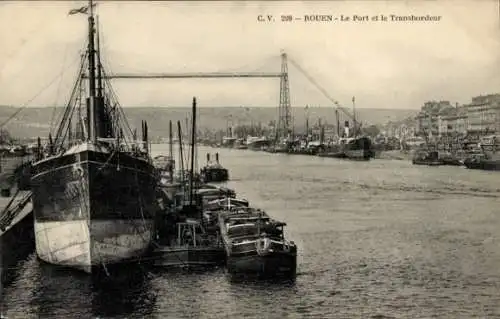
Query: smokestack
point(146, 138)
point(217, 157)
point(143, 136)
point(346, 128)
point(170, 140)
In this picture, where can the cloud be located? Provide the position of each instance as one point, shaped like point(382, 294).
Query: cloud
point(392, 64)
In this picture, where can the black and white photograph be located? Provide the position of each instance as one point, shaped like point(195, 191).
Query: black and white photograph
point(250, 159)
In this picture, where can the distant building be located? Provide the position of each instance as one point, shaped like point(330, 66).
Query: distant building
point(400, 129)
point(452, 121)
point(484, 114)
point(427, 120)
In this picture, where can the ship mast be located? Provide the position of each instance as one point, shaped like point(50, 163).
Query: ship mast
point(100, 89)
point(91, 104)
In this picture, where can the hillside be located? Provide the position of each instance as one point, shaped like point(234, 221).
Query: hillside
point(35, 121)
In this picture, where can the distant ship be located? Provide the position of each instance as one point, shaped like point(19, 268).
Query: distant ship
point(257, 143)
point(94, 190)
point(350, 147)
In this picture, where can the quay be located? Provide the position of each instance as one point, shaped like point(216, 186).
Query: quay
point(16, 218)
point(469, 153)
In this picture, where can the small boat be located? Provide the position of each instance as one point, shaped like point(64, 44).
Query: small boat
point(257, 143)
point(207, 194)
point(190, 246)
point(214, 172)
point(255, 244)
point(282, 147)
point(228, 202)
point(212, 208)
point(240, 145)
point(483, 163)
point(429, 158)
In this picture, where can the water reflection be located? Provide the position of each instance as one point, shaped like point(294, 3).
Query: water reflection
point(125, 293)
point(56, 286)
point(50, 291)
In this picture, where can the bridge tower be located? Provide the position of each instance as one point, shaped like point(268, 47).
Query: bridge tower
point(284, 110)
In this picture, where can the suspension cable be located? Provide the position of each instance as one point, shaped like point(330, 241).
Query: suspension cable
point(321, 89)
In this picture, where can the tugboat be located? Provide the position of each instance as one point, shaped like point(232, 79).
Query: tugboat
point(214, 172)
point(255, 244)
point(429, 158)
point(487, 158)
point(483, 162)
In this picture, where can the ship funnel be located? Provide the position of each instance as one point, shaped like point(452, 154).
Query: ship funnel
point(217, 157)
point(145, 137)
point(208, 157)
point(346, 131)
point(346, 128)
point(143, 134)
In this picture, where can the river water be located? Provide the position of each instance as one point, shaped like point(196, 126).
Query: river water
point(378, 239)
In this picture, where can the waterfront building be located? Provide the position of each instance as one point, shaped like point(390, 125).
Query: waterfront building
point(483, 115)
point(427, 120)
point(453, 121)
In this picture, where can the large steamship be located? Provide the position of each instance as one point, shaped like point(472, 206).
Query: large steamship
point(93, 189)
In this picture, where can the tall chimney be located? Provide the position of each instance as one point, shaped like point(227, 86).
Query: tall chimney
point(346, 129)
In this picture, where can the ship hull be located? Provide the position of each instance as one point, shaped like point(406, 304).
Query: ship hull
point(92, 209)
point(189, 257)
point(91, 245)
point(270, 265)
point(487, 165)
point(360, 154)
point(214, 175)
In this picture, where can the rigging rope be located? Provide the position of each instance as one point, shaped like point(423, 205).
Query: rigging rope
point(71, 100)
point(21, 108)
point(320, 88)
point(58, 89)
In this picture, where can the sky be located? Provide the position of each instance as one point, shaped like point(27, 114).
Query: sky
point(383, 64)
